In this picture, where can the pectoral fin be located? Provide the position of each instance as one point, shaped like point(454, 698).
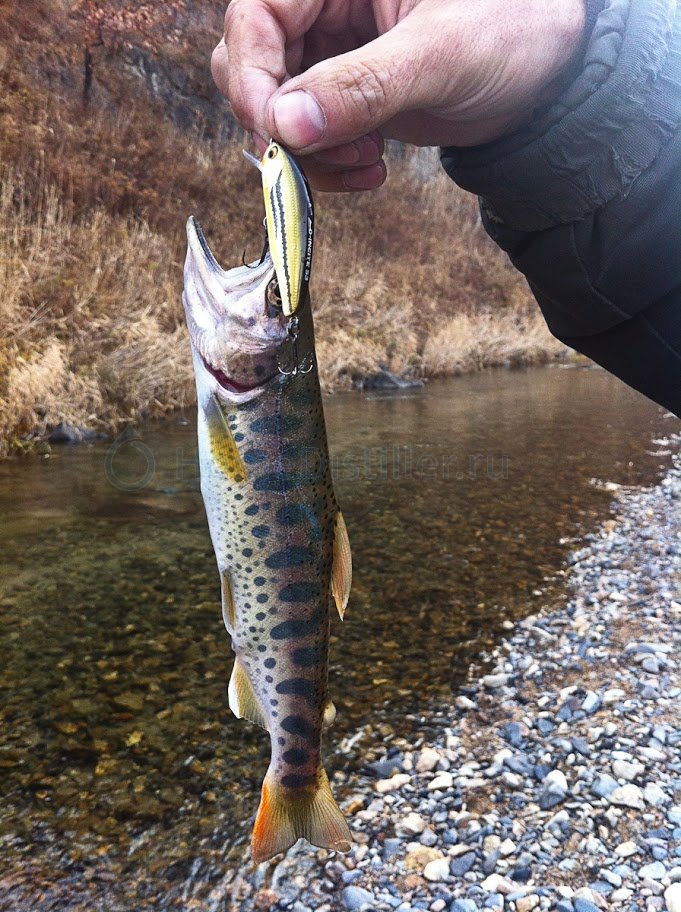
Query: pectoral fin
point(223, 447)
point(242, 699)
point(341, 573)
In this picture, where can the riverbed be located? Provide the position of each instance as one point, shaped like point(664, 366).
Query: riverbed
point(126, 783)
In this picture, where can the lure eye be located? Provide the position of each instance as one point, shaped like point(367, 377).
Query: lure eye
point(272, 151)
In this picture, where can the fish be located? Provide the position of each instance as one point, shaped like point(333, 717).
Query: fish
point(289, 219)
point(279, 537)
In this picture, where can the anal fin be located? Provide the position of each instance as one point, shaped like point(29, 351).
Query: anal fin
point(341, 572)
point(242, 699)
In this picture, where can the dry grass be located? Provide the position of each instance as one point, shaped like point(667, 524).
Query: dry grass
point(90, 331)
point(92, 211)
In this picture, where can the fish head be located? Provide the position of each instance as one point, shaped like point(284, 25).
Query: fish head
point(236, 323)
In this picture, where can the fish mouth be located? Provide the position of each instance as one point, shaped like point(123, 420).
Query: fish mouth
point(232, 323)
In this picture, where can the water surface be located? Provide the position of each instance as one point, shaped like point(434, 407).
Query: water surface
point(126, 783)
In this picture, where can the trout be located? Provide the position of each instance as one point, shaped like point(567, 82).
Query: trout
point(279, 537)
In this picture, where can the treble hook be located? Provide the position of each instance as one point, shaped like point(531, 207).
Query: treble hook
point(294, 368)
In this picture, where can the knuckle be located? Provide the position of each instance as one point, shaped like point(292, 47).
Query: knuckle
point(368, 91)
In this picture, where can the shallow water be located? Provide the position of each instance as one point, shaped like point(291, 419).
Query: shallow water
point(126, 783)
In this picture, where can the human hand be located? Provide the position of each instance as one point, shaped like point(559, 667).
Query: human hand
point(330, 78)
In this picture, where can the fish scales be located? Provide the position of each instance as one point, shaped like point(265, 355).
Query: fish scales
point(276, 548)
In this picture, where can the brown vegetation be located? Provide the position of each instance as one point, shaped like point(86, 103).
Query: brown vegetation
point(92, 209)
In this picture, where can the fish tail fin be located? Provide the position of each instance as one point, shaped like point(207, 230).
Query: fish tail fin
point(286, 814)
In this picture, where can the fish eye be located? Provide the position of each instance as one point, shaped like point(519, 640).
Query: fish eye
point(272, 151)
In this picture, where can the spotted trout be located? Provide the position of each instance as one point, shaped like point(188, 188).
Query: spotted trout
point(280, 541)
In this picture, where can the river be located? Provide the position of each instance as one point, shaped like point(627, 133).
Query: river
point(126, 783)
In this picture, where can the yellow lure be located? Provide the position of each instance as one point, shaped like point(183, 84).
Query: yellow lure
point(289, 217)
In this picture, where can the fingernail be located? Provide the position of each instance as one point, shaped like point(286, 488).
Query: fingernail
point(299, 119)
point(365, 178)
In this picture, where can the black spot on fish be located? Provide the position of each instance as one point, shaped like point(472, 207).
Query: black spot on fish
point(294, 514)
point(295, 556)
point(269, 679)
point(305, 657)
point(300, 687)
point(238, 437)
point(260, 616)
point(275, 481)
point(259, 580)
point(262, 648)
point(299, 592)
point(261, 531)
point(270, 663)
point(251, 457)
point(274, 424)
point(297, 725)
point(251, 510)
point(289, 630)
point(298, 780)
point(247, 552)
point(261, 598)
point(295, 756)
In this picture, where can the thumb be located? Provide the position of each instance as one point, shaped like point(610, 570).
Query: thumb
point(344, 97)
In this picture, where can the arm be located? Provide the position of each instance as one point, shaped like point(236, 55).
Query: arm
point(586, 199)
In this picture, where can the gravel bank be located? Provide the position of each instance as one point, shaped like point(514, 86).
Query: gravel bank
point(554, 781)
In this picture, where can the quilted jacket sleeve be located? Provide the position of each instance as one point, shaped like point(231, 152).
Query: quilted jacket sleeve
point(586, 200)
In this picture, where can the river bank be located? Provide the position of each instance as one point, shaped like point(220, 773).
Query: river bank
point(554, 780)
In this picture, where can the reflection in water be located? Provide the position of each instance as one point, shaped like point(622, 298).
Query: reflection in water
point(124, 775)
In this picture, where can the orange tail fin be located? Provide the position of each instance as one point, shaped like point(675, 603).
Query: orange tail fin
point(284, 816)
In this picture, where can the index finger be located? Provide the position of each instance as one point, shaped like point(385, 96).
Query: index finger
point(249, 64)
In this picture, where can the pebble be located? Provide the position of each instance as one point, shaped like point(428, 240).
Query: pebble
point(436, 870)
point(655, 871)
point(584, 905)
point(441, 782)
point(462, 865)
point(356, 898)
point(622, 769)
point(627, 796)
point(463, 905)
point(672, 897)
point(527, 903)
point(626, 849)
point(604, 785)
point(411, 825)
point(383, 786)
point(428, 759)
